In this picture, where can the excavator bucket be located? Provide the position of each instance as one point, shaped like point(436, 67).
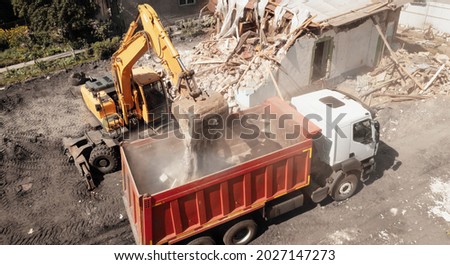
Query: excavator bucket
point(199, 122)
point(196, 116)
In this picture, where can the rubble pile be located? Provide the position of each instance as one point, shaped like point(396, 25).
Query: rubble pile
point(416, 76)
point(247, 45)
point(190, 27)
point(429, 37)
point(227, 65)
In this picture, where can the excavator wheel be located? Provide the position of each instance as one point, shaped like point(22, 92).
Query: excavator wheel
point(104, 159)
point(77, 79)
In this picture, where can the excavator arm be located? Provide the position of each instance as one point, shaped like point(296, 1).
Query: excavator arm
point(123, 61)
point(161, 44)
point(183, 89)
point(135, 44)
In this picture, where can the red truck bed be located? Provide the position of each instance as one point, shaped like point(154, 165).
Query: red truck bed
point(237, 179)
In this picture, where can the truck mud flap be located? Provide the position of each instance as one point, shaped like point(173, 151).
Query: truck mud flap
point(78, 150)
point(316, 192)
point(319, 194)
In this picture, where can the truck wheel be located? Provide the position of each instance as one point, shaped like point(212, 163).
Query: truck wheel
point(346, 187)
point(104, 159)
point(241, 233)
point(203, 240)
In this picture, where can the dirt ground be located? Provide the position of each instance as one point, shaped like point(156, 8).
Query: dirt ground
point(43, 200)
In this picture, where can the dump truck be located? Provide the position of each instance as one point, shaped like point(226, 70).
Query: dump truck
point(267, 160)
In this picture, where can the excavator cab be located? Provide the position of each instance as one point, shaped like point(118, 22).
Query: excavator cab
point(152, 100)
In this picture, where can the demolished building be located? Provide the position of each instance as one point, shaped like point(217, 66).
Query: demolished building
point(297, 46)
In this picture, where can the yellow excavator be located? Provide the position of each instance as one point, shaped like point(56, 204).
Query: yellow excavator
point(131, 96)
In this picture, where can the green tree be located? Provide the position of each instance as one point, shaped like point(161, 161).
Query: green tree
point(6, 14)
point(72, 19)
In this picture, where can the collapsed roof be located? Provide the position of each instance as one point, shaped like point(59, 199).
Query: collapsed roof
point(288, 15)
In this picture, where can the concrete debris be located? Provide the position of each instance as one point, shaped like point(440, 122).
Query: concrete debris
point(251, 38)
point(388, 81)
point(394, 211)
point(344, 236)
point(241, 56)
point(225, 70)
point(190, 27)
point(441, 195)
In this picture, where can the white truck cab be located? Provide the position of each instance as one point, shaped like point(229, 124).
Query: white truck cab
point(344, 153)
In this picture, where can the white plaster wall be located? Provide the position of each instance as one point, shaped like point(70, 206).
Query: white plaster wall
point(435, 14)
point(353, 48)
point(295, 69)
point(374, 36)
point(294, 73)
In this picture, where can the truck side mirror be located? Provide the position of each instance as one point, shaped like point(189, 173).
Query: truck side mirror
point(376, 124)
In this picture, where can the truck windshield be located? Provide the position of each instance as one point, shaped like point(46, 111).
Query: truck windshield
point(362, 132)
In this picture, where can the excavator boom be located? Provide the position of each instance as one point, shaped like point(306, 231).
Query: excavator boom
point(123, 61)
point(183, 88)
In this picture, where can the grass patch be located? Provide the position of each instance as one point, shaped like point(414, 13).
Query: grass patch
point(43, 68)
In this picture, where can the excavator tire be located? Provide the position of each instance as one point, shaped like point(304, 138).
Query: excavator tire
point(104, 159)
point(77, 79)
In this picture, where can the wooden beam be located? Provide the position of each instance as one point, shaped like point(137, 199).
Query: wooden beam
point(399, 96)
point(432, 79)
point(275, 83)
point(392, 53)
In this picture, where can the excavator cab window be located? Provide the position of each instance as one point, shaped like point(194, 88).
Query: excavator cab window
point(154, 94)
point(155, 98)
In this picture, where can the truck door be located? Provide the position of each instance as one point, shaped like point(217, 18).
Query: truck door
point(363, 144)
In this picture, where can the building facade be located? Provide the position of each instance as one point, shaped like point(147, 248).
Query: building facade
point(422, 14)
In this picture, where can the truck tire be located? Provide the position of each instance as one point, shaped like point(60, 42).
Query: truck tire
point(203, 240)
point(346, 187)
point(104, 159)
point(241, 233)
